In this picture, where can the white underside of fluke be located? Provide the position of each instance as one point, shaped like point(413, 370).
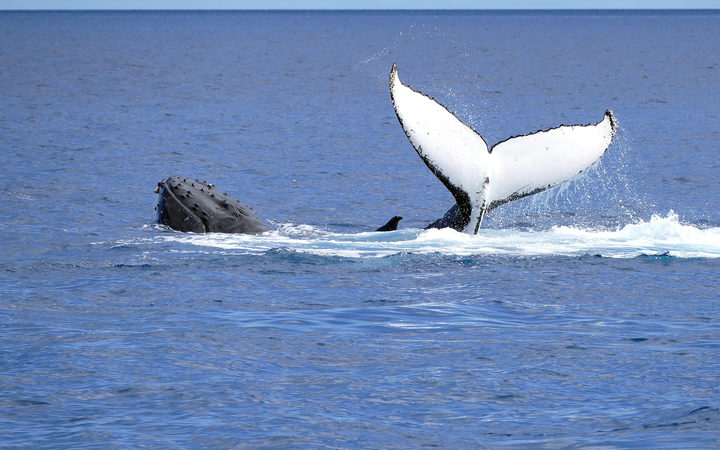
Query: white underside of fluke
point(481, 178)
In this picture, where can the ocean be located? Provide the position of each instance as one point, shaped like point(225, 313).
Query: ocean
point(583, 316)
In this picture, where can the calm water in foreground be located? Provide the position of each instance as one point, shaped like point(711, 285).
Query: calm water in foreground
point(584, 316)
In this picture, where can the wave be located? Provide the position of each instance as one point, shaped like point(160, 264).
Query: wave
point(664, 236)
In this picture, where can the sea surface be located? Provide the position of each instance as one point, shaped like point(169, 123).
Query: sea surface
point(584, 316)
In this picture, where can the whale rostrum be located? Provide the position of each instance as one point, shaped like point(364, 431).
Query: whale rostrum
point(198, 206)
point(482, 178)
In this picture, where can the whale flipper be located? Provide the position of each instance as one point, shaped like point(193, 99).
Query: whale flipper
point(391, 224)
point(482, 178)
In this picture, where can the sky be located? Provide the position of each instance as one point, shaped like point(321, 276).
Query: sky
point(357, 4)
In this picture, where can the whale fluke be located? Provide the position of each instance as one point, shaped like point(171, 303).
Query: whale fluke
point(482, 178)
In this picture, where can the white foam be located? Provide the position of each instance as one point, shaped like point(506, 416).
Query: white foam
point(659, 235)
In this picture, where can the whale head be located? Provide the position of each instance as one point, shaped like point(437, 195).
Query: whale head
point(197, 206)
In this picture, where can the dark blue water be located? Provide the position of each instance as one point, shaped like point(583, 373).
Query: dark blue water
point(583, 316)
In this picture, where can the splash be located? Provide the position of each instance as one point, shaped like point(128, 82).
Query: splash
point(658, 236)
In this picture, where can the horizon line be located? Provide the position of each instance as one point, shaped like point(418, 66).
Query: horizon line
point(363, 9)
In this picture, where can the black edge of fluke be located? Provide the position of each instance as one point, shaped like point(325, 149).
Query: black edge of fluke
point(609, 114)
point(613, 121)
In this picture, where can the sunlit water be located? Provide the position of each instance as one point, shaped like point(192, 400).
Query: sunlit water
point(583, 316)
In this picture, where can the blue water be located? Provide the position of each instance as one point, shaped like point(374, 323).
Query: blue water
point(583, 316)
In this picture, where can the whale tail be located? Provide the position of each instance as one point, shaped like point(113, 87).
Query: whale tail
point(482, 178)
